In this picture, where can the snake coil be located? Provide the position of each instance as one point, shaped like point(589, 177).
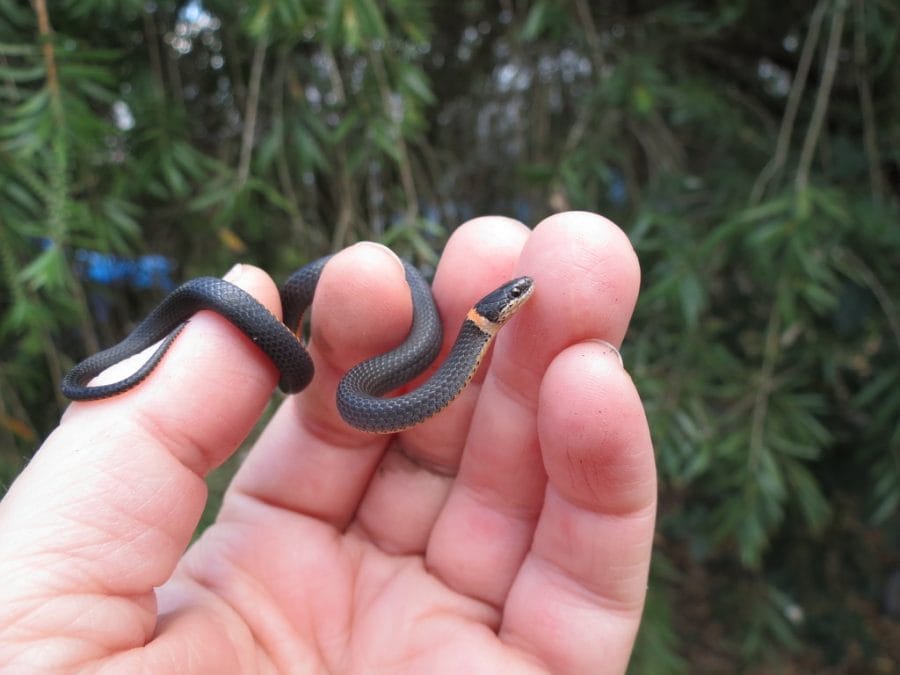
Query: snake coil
point(360, 394)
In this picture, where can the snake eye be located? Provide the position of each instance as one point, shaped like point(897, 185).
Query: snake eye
point(519, 288)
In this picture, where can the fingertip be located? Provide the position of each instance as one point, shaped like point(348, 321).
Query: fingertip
point(591, 230)
point(257, 283)
point(362, 306)
point(594, 435)
point(585, 253)
point(586, 281)
point(488, 233)
point(207, 391)
point(479, 256)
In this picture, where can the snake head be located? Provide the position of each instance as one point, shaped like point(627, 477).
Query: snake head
point(499, 305)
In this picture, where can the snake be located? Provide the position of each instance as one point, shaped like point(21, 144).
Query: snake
point(361, 399)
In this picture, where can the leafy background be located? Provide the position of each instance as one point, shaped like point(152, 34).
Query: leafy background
point(750, 150)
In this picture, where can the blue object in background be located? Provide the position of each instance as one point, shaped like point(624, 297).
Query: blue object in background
point(617, 192)
point(144, 272)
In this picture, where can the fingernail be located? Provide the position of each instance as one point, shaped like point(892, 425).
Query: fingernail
point(234, 273)
point(611, 349)
point(382, 248)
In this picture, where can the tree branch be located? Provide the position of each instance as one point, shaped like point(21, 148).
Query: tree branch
point(866, 107)
point(346, 192)
point(795, 95)
point(406, 174)
point(46, 33)
point(820, 109)
point(282, 166)
point(152, 38)
point(256, 70)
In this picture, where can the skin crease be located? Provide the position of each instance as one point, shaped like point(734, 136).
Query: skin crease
point(511, 533)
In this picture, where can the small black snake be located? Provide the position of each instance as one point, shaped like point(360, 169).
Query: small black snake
point(359, 394)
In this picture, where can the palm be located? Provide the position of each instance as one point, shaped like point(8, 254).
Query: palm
point(509, 533)
point(350, 598)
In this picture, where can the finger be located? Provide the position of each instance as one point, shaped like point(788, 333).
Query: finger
point(576, 602)
point(109, 503)
point(308, 460)
point(406, 493)
point(586, 281)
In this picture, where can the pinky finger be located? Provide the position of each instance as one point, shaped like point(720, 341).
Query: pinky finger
point(576, 603)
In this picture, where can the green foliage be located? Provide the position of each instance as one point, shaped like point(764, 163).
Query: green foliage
point(749, 150)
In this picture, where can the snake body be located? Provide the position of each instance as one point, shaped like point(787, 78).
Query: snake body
point(360, 394)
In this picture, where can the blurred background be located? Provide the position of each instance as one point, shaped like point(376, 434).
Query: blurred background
point(751, 151)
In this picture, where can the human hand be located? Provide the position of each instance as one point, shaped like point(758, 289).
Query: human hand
point(510, 533)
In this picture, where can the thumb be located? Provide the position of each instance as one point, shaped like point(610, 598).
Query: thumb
point(107, 506)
